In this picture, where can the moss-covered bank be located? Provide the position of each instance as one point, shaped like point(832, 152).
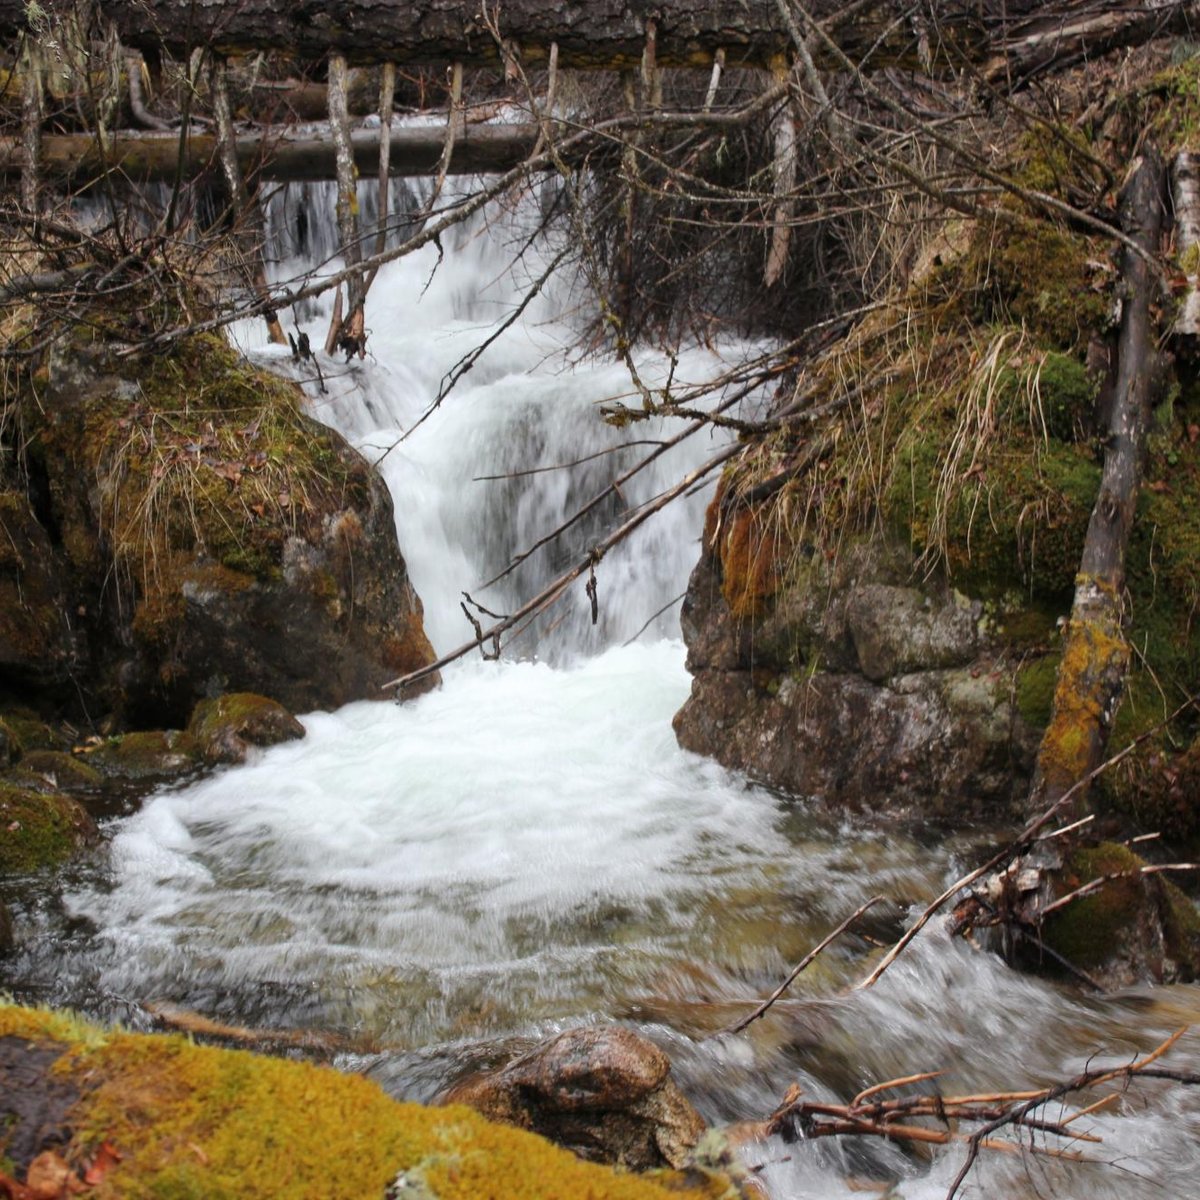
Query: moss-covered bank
point(954, 478)
point(191, 1121)
point(176, 527)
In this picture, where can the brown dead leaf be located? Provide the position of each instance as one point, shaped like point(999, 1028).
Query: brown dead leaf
point(50, 1178)
point(106, 1158)
point(1193, 433)
point(1159, 487)
point(229, 471)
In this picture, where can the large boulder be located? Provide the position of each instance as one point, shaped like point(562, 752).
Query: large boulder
point(210, 538)
point(858, 686)
point(38, 644)
point(604, 1093)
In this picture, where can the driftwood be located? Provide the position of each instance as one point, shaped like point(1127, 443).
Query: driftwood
point(869, 1114)
point(1185, 201)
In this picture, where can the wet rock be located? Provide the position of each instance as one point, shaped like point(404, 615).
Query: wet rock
point(6, 929)
point(1134, 928)
point(897, 630)
point(150, 755)
point(858, 688)
point(604, 1093)
point(34, 1103)
point(37, 643)
point(226, 728)
point(10, 745)
point(39, 829)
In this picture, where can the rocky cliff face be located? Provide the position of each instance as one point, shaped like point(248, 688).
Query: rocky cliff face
point(176, 528)
point(858, 686)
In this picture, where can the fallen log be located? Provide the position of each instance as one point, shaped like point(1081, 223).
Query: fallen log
point(1010, 39)
point(277, 154)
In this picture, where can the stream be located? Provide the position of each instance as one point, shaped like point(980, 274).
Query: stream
point(526, 848)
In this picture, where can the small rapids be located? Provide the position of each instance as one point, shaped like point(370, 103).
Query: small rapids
point(527, 848)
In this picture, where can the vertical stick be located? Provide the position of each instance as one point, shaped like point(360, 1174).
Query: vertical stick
point(349, 334)
point(31, 126)
point(247, 216)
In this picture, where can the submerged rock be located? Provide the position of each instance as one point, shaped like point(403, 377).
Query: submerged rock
point(605, 1093)
point(225, 729)
point(186, 1120)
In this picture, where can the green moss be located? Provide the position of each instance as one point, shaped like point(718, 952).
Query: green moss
point(38, 829)
point(1087, 930)
point(69, 771)
point(193, 1121)
point(147, 754)
point(1181, 927)
point(1035, 690)
point(1035, 274)
point(11, 747)
point(32, 732)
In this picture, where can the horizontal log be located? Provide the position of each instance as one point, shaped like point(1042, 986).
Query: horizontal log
point(590, 34)
point(1009, 39)
point(277, 154)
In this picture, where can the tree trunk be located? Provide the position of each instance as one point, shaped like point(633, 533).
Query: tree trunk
point(1096, 654)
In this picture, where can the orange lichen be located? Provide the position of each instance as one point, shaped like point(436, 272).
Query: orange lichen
point(752, 559)
point(1095, 658)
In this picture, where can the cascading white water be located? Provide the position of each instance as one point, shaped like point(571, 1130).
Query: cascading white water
point(527, 847)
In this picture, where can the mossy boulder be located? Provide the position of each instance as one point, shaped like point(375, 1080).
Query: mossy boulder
point(214, 538)
point(226, 728)
point(39, 829)
point(146, 755)
point(62, 771)
point(191, 1121)
point(32, 733)
point(1134, 927)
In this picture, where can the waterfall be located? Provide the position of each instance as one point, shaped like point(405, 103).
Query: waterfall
point(481, 477)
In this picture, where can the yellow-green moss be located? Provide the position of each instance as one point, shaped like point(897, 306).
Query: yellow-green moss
point(67, 770)
point(1087, 931)
point(146, 754)
point(38, 829)
point(1035, 690)
point(194, 1121)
